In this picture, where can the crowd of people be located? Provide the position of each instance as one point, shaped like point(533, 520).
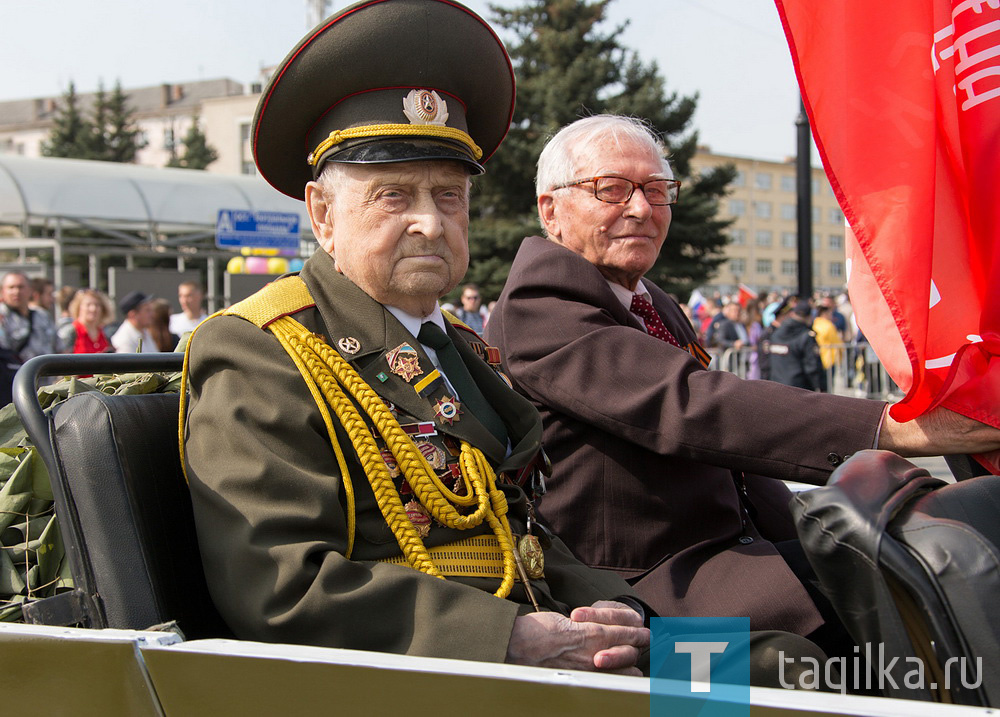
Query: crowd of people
point(34, 320)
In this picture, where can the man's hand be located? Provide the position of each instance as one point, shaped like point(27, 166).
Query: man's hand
point(606, 637)
point(938, 432)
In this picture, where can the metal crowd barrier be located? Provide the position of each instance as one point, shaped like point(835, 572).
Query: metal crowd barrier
point(856, 370)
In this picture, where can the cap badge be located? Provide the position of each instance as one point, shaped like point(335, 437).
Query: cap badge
point(425, 107)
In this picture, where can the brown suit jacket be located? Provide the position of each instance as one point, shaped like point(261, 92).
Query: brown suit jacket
point(269, 496)
point(644, 443)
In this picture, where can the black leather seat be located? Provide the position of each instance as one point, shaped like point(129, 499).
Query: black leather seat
point(913, 563)
point(121, 501)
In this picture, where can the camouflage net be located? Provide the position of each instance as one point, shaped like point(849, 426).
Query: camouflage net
point(32, 558)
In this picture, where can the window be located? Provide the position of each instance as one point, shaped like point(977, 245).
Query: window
point(168, 138)
point(815, 187)
point(789, 267)
point(836, 269)
point(817, 215)
point(817, 268)
point(738, 236)
point(816, 241)
point(763, 266)
point(244, 132)
point(788, 183)
point(740, 179)
point(248, 168)
point(737, 207)
point(762, 180)
point(789, 240)
point(788, 211)
point(738, 266)
point(763, 237)
point(836, 241)
point(836, 216)
point(762, 209)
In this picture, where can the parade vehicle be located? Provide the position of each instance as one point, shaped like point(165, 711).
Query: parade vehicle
point(137, 633)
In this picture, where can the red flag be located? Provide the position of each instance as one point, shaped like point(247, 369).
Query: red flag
point(904, 101)
point(746, 293)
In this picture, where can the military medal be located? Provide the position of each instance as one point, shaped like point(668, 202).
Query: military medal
point(420, 518)
point(404, 361)
point(349, 345)
point(419, 430)
point(390, 463)
point(448, 409)
point(532, 556)
point(434, 455)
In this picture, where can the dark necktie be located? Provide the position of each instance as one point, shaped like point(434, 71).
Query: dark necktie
point(654, 325)
point(458, 374)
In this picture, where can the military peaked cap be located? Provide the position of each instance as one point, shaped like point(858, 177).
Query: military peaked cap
point(385, 81)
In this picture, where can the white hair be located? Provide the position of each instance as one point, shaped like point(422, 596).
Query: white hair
point(558, 160)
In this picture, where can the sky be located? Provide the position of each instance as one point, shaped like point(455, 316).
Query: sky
point(731, 52)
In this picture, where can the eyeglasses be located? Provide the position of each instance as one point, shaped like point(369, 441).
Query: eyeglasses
point(618, 190)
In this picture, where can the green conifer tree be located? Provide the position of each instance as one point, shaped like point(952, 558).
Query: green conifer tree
point(198, 153)
point(568, 67)
point(70, 132)
point(123, 138)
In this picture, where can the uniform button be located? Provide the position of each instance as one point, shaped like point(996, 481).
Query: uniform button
point(746, 539)
point(834, 459)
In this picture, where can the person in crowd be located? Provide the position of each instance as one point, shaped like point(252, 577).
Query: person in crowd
point(42, 296)
point(471, 312)
point(159, 326)
point(829, 339)
point(729, 332)
point(24, 332)
point(795, 358)
point(753, 323)
point(133, 335)
point(91, 311)
point(191, 298)
point(63, 299)
point(675, 464)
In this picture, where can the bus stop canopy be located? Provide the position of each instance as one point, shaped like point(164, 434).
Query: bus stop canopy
point(127, 203)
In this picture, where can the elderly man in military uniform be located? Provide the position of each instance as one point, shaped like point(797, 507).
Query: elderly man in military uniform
point(361, 473)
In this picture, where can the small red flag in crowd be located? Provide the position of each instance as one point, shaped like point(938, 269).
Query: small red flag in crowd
point(904, 101)
point(746, 293)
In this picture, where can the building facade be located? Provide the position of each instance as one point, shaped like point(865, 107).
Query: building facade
point(163, 113)
point(763, 238)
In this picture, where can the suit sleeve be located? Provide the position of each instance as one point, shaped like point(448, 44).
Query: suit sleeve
point(566, 349)
point(268, 500)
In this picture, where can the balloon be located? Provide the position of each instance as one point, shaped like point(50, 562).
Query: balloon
point(277, 265)
point(295, 265)
point(236, 265)
point(256, 265)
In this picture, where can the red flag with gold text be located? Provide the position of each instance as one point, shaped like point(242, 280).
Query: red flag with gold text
point(904, 101)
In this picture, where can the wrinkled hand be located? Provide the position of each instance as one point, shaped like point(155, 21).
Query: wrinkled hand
point(605, 637)
point(938, 432)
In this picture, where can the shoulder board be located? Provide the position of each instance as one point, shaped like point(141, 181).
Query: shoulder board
point(279, 298)
point(488, 353)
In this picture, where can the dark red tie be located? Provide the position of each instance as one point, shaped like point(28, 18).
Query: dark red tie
point(654, 325)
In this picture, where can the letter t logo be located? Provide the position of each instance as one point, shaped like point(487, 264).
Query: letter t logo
point(701, 661)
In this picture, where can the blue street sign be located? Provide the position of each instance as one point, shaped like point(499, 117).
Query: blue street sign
point(238, 228)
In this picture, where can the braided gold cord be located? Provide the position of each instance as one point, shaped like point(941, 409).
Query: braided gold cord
point(403, 130)
point(386, 496)
point(331, 371)
point(318, 398)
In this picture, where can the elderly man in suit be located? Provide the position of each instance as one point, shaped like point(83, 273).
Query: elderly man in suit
point(658, 464)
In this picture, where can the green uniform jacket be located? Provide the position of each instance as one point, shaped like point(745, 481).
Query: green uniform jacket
point(270, 506)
